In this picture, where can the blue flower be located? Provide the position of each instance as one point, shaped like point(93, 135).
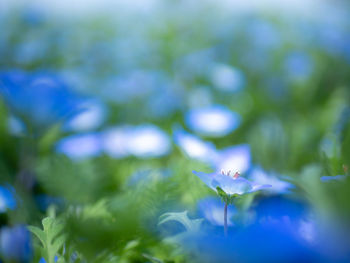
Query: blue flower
point(227, 78)
point(237, 158)
point(263, 34)
point(15, 126)
point(259, 176)
point(92, 116)
point(194, 147)
point(38, 99)
point(115, 141)
point(7, 199)
point(231, 184)
point(292, 213)
point(148, 141)
point(279, 234)
point(143, 141)
point(134, 85)
point(213, 121)
point(255, 243)
point(15, 244)
point(80, 146)
point(212, 209)
point(299, 65)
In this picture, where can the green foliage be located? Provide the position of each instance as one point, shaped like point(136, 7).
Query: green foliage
point(51, 237)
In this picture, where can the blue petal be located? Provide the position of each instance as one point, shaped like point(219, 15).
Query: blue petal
point(115, 141)
point(39, 99)
point(232, 186)
point(259, 176)
point(7, 199)
point(81, 146)
point(227, 78)
point(206, 178)
point(92, 115)
point(15, 244)
point(147, 141)
point(298, 65)
point(213, 121)
point(236, 158)
point(194, 147)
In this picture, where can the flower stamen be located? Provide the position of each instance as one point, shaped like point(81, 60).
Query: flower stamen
point(230, 174)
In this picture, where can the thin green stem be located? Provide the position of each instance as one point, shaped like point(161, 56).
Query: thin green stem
point(225, 219)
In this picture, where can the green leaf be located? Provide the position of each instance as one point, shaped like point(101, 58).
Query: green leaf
point(181, 217)
point(51, 237)
point(152, 259)
point(226, 198)
point(39, 234)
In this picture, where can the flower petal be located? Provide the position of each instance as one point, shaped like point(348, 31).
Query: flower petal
point(257, 187)
point(232, 186)
point(206, 178)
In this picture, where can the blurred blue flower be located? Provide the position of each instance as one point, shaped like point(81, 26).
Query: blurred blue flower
point(91, 117)
point(142, 141)
point(278, 207)
point(298, 65)
point(212, 209)
point(255, 243)
point(294, 214)
point(226, 78)
point(235, 158)
point(135, 84)
point(115, 141)
point(259, 176)
point(31, 15)
point(279, 234)
point(165, 101)
point(231, 184)
point(148, 141)
point(80, 146)
point(194, 147)
point(16, 244)
point(44, 201)
point(15, 126)
point(334, 39)
point(7, 199)
point(263, 34)
point(195, 64)
point(38, 99)
point(213, 121)
point(30, 51)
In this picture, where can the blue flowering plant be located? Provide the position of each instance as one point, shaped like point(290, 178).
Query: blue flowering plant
point(228, 186)
point(38, 99)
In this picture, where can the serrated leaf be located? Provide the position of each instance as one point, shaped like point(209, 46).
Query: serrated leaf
point(58, 243)
point(181, 217)
point(47, 222)
point(55, 230)
point(50, 237)
point(38, 233)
